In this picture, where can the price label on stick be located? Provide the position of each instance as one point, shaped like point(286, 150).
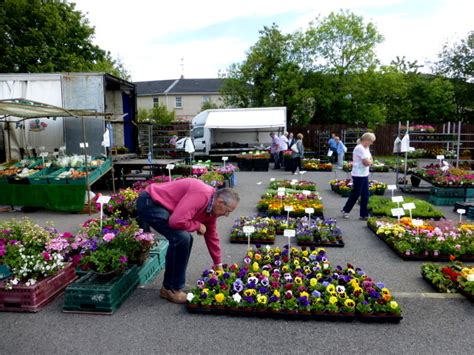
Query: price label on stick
point(306, 192)
point(409, 206)
point(392, 187)
point(225, 158)
point(288, 208)
point(44, 155)
point(103, 199)
point(309, 210)
point(289, 233)
point(170, 166)
point(397, 199)
point(281, 193)
point(461, 211)
point(272, 179)
point(281, 189)
point(440, 157)
point(398, 212)
point(417, 222)
point(248, 230)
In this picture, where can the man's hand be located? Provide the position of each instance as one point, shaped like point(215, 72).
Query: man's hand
point(202, 229)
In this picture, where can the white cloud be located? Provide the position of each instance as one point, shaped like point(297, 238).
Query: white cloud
point(136, 31)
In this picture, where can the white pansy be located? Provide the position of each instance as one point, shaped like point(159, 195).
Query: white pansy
point(190, 296)
point(237, 298)
point(470, 278)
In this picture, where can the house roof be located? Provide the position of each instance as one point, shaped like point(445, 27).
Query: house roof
point(178, 86)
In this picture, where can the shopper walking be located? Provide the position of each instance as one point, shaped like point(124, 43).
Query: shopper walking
point(297, 153)
point(340, 150)
point(332, 148)
point(361, 162)
point(275, 150)
point(177, 208)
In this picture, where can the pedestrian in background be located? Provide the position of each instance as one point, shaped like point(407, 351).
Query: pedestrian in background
point(291, 140)
point(275, 150)
point(332, 148)
point(340, 150)
point(361, 162)
point(283, 147)
point(297, 153)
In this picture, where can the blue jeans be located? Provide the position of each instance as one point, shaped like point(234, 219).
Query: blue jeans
point(360, 188)
point(276, 159)
point(181, 242)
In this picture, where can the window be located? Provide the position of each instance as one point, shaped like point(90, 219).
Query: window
point(205, 99)
point(179, 102)
point(156, 103)
point(198, 132)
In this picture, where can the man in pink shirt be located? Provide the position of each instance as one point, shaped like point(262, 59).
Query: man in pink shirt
point(175, 209)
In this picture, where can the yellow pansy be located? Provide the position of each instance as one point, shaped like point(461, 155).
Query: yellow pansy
point(332, 300)
point(262, 299)
point(219, 297)
point(304, 294)
point(258, 256)
point(305, 253)
point(250, 254)
point(250, 292)
point(265, 273)
point(385, 291)
point(349, 303)
point(276, 293)
point(331, 288)
point(255, 266)
point(393, 305)
point(205, 290)
point(296, 262)
point(298, 280)
point(285, 268)
point(219, 272)
point(313, 282)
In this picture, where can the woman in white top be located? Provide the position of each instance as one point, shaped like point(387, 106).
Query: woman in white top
point(361, 162)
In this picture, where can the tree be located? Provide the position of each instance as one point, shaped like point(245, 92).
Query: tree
point(41, 36)
point(209, 106)
point(161, 115)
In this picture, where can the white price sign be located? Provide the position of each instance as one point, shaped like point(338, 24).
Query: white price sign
point(281, 189)
point(248, 229)
point(272, 179)
point(417, 222)
point(409, 206)
point(44, 155)
point(461, 211)
point(225, 158)
point(306, 192)
point(440, 157)
point(103, 199)
point(170, 166)
point(392, 187)
point(288, 208)
point(289, 233)
point(397, 199)
point(397, 212)
point(83, 145)
point(281, 193)
point(309, 210)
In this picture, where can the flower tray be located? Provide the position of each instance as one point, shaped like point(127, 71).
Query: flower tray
point(378, 318)
point(469, 296)
point(93, 294)
point(4, 271)
point(160, 249)
point(252, 240)
point(430, 282)
point(332, 244)
point(149, 270)
point(33, 298)
point(265, 213)
point(429, 257)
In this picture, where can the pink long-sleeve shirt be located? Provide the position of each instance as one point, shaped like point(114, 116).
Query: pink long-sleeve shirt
point(187, 200)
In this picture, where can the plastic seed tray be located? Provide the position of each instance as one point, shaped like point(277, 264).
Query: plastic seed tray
point(33, 298)
point(97, 294)
point(4, 272)
point(160, 249)
point(149, 270)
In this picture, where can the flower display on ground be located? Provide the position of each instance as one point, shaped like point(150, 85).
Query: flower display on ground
point(315, 165)
point(382, 206)
point(32, 252)
point(254, 155)
point(292, 282)
point(447, 177)
point(122, 203)
point(454, 277)
point(344, 187)
point(433, 240)
point(318, 232)
point(293, 184)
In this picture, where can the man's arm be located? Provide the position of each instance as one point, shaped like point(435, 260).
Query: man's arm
point(213, 242)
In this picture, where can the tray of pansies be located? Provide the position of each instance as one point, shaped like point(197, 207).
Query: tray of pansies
point(292, 283)
point(452, 177)
point(293, 184)
point(264, 233)
point(343, 187)
point(316, 165)
point(275, 206)
point(318, 232)
point(432, 241)
point(451, 278)
point(376, 167)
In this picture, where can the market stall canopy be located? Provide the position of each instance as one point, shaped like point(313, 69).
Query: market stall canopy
point(249, 118)
point(26, 109)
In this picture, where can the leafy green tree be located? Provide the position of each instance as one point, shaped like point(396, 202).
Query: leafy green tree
point(209, 106)
point(161, 115)
point(41, 36)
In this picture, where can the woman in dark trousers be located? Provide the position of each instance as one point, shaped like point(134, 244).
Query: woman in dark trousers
point(361, 162)
point(296, 156)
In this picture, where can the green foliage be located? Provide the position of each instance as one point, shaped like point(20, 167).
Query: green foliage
point(382, 206)
point(43, 36)
point(161, 115)
point(143, 115)
point(209, 106)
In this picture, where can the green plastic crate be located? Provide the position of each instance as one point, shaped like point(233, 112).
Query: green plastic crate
point(160, 249)
point(41, 177)
point(149, 270)
point(451, 192)
point(4, 272)
point(53, 177)
point(94, 173)
point(93, 294)
point(444, 201)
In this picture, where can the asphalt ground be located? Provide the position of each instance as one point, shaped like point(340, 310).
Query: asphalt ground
point(433, 323)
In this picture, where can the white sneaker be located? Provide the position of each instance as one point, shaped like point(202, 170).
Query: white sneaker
point(345, 214)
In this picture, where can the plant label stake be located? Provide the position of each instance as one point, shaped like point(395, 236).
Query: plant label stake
point(224, 159)
point(440, 158)
point(293, 182)
point(170, 167)
point(288, 209)
point(409, 206)
point(392, 188)
point(417, 223)
point(289, 233)
point(306, 193)
point(302, 173)
point(397, 200)
point(461, 211)
point(44, 155)
point(309, 211)
point(280, 195)
point(398, 212)
point(102, 200)
point(248, 231)
point(272, 179)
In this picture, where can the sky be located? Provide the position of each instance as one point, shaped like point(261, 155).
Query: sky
point(159, 40)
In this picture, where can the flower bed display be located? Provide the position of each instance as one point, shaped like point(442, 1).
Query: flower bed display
point(382, 206)
point(122, 204)
point(295, 284)
point(258, 161)
point(213, 179)
point(434, 240)
point(315, 165)
point(318, 232)
point(454, 277)
point(450, 177)
point(293, 184)
point(275, 206)
point(264, 230)
point(343, 187)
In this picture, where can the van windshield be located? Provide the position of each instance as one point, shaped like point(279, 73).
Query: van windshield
point(198, 132)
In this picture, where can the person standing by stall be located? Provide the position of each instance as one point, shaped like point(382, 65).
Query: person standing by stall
point(275, 150)
point(361, 162)
point(283, 147)
point(297, 153)
point(340, 150)
point(332, 148)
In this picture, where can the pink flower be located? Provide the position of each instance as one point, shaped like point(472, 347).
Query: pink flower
point(457, 246)
point(46, 256)
point(108, 237)
point(123, 259)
